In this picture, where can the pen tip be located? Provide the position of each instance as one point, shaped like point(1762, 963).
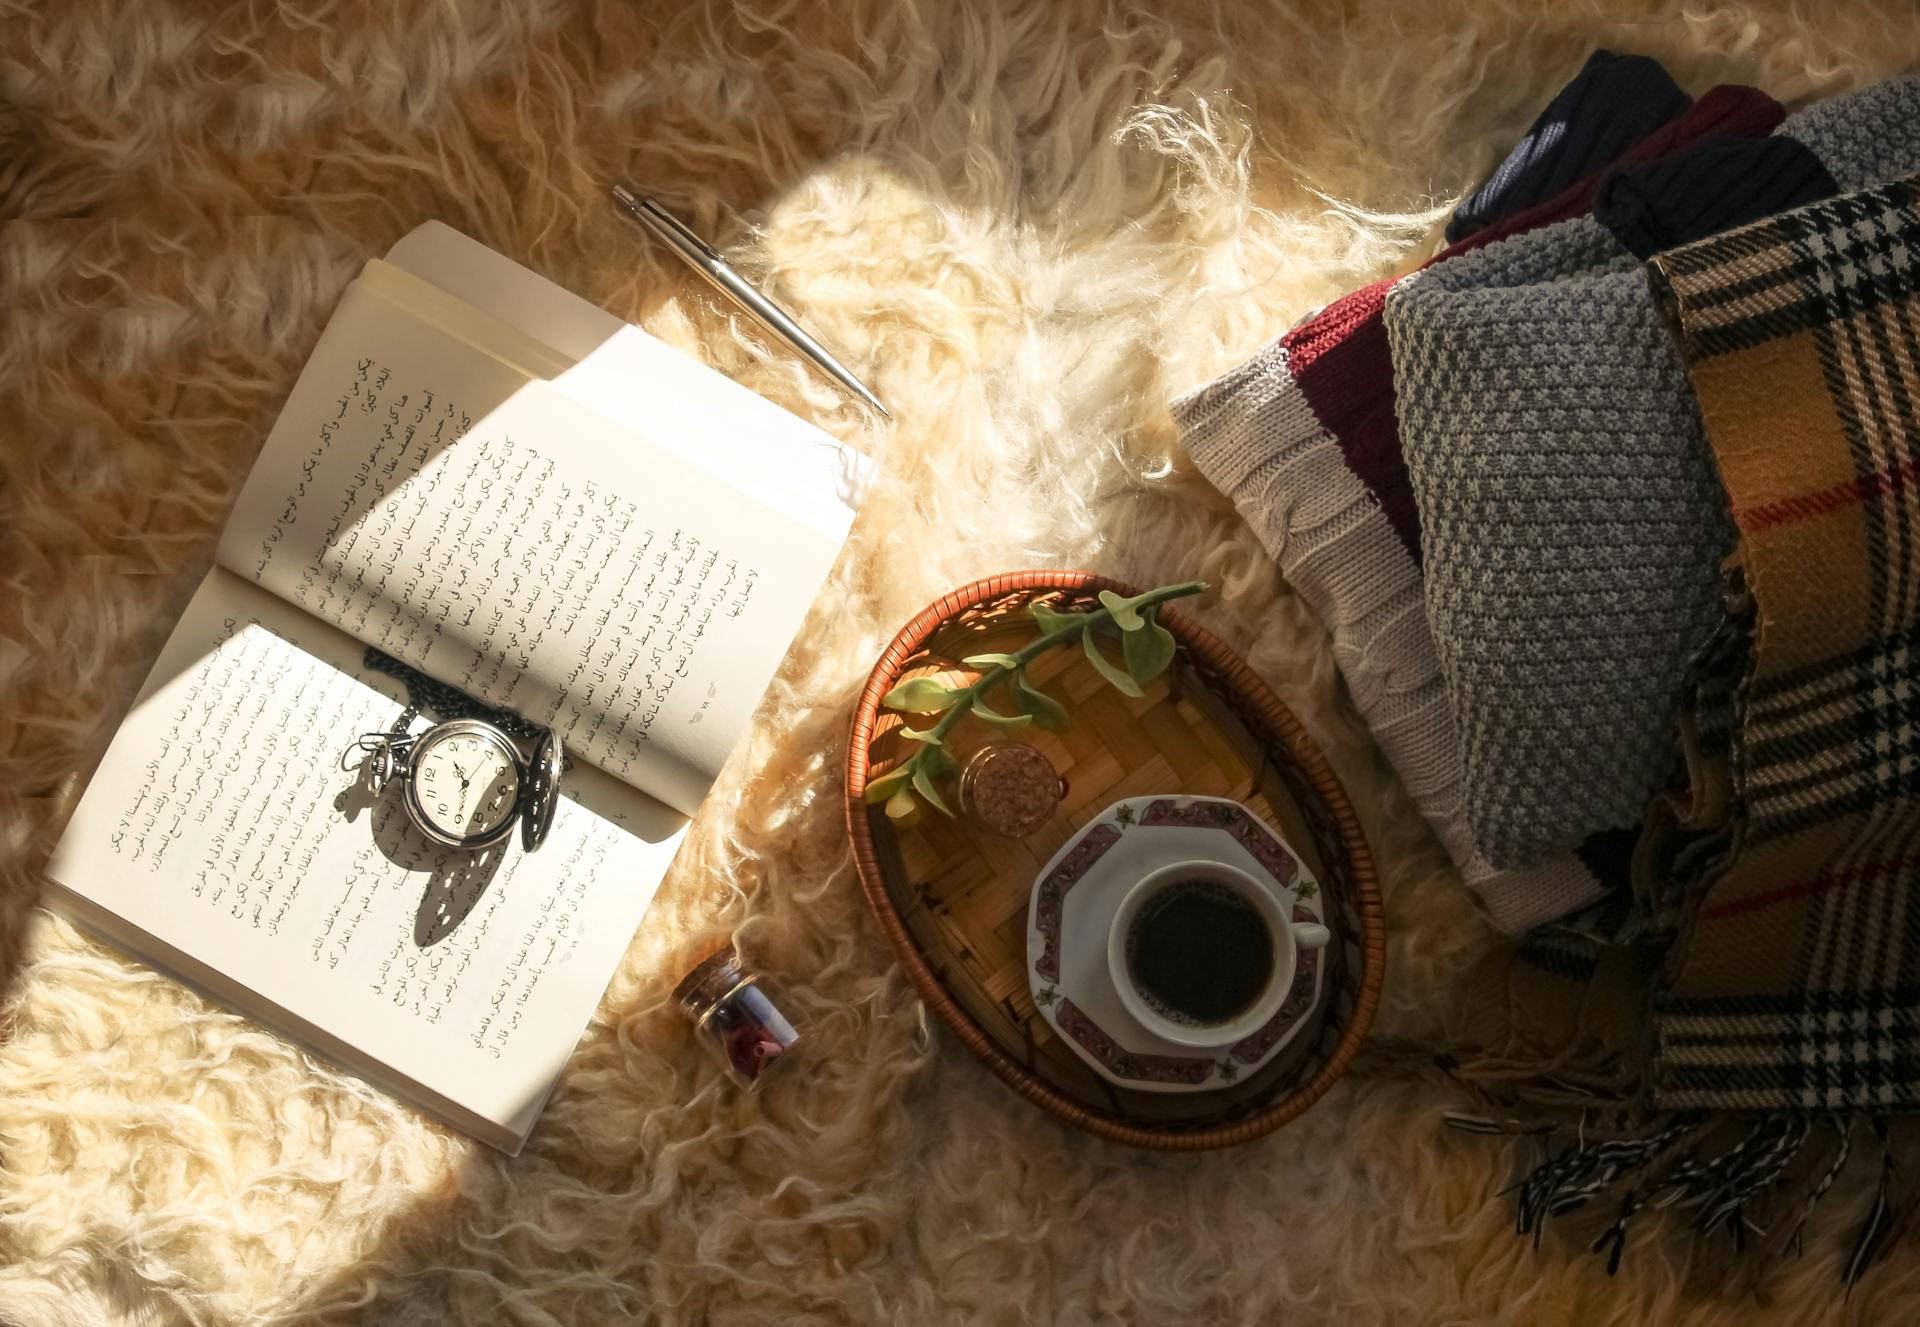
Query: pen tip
point(625, 196)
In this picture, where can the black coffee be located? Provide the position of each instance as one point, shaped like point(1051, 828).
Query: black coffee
point(1199, 952)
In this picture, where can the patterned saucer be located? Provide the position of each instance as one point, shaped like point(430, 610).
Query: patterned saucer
point(1072, 909)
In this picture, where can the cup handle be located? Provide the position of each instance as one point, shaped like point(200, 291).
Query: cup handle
point(1311, 935)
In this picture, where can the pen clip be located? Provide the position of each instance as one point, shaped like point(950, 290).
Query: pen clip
point(677, 226)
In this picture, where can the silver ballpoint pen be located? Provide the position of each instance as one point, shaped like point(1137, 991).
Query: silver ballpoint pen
point(702, 258)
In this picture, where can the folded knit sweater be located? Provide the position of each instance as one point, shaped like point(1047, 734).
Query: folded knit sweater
point(1318, 479)
point(1613, 102)
point(1571, 518)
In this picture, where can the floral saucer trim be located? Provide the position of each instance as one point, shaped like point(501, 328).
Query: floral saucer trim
point(1233, 820)
point(1300, 996)
point(1053, 893)
point(1123, 1062)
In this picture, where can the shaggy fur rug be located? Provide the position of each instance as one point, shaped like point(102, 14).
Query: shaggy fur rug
point(1028, 227)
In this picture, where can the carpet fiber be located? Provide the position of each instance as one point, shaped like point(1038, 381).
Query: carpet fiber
point(1027, 228)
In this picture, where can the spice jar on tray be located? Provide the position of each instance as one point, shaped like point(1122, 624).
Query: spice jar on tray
point(1010, 789)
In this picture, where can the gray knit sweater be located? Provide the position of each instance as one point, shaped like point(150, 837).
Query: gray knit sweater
point(1572, 523)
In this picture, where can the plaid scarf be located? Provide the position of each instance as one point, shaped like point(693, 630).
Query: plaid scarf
point(1765, 978)
point(1797, 985)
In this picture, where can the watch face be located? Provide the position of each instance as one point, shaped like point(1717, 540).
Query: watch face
point(465, 784)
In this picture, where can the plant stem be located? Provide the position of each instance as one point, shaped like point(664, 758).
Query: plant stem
point(1033, 649)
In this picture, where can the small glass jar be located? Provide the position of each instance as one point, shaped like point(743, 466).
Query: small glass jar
point(1010, 789)
point(734, 1016)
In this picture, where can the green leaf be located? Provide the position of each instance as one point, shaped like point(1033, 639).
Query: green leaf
point(921, 695)
point(920, 735)
point(932, 764)
point(1122, 611)
point(901, 805)
point(1045, 711)
point(1050, 620)
point(1125, 685)
point(1148, 651)
point(984, 661)
point(980, 711)
point(893, 781)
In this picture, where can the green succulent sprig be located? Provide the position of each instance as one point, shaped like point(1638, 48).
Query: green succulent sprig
point(1146, 648)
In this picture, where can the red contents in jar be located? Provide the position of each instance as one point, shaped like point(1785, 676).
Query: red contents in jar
point(735, 1017)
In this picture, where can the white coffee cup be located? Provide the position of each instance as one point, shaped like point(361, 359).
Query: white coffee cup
point(1290, 939)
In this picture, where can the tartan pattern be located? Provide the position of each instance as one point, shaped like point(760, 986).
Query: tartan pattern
point(1809, 269)
point(1795, 983)
point(1837, 739)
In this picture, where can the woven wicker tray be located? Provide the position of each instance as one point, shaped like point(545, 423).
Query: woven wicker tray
point(953, 901)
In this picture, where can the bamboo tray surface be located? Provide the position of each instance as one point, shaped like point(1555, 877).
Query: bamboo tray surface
point(953, 901)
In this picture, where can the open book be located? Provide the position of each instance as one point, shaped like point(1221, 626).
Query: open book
point(515, 495)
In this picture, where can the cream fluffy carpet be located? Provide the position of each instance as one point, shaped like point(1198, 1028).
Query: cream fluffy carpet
point(1028, 227)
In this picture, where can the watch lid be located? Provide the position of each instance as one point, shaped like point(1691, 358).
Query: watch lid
point(543, 789)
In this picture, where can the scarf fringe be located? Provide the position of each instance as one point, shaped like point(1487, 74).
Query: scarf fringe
point(1721, 1190)
point(1841, 1153)
point(1878, 1230)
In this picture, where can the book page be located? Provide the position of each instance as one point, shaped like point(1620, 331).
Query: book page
point(431, 500)
point(222, 828)
point(706, 418)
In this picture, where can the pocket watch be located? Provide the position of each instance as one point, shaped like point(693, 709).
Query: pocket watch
point(464, 782)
